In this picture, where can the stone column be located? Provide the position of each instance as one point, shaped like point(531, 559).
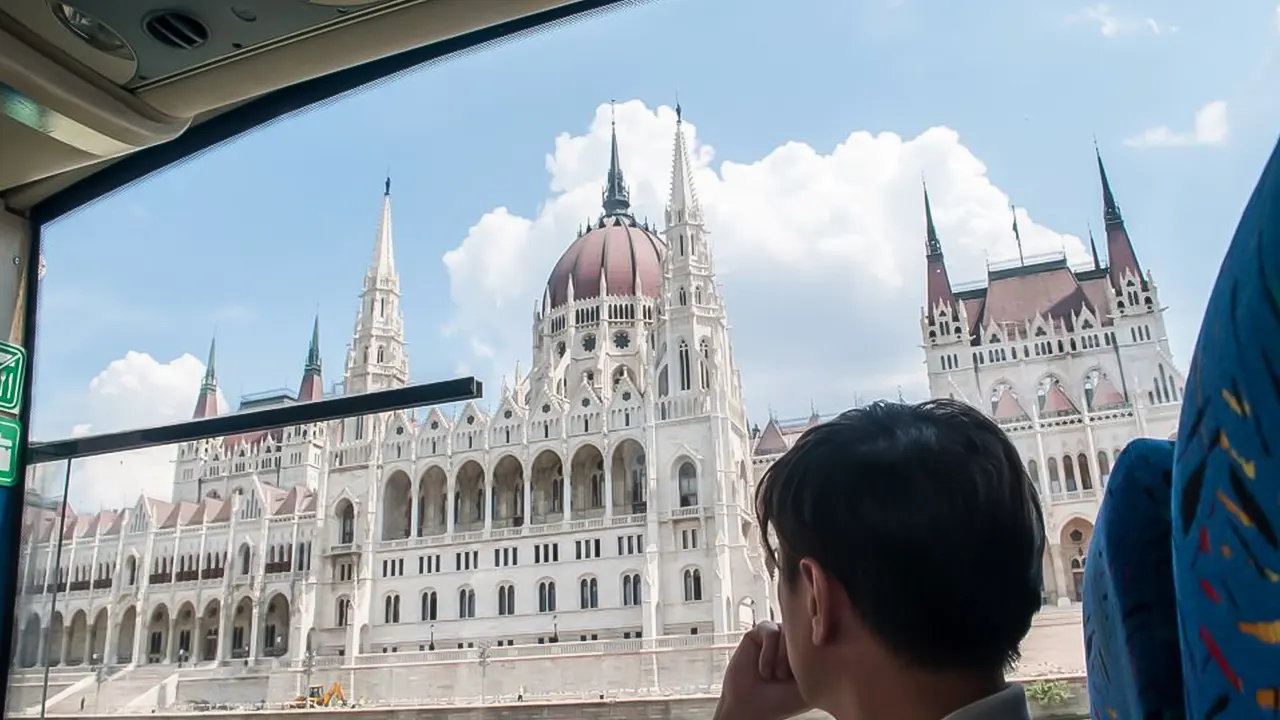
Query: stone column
point(254, 625)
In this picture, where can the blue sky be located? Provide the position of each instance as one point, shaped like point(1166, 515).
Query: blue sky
point(255, 237)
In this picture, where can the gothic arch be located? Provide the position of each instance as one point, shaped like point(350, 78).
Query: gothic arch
point(344, 511)
point(586, 481)
point(277, 623)
point(208, 630)
point(588, 592)
point(692, 583)
point(1074, 540)
point(629, 470)
point(508, 492)
point(547, 488)
point(433, 500)
point(29, 642)
point(127, 633)
point(469, 497)
point(687, 474)
point(397, 506)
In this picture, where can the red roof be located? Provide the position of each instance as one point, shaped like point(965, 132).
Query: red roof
point(626, 255)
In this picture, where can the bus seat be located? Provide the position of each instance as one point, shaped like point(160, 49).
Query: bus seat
point(1226, 480)
point(1130, 614)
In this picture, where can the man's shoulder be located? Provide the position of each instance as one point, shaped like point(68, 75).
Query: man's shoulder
point(1008, 704)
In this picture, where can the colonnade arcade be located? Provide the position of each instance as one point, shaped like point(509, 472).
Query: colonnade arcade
point(162, 636)
point(421, 506)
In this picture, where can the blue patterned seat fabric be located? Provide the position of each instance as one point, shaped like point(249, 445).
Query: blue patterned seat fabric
point(1131, 619)
point(1221, 516)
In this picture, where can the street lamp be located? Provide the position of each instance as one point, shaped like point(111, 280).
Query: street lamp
point(99, 677)
point(309, 663)
point(482, 658)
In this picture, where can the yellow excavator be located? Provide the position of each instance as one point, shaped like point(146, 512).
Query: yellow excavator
point(317, 696)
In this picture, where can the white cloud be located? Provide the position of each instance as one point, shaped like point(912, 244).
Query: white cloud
point(1112, 24)
point(132, 392)
point(1210, 128)
point(821, 255)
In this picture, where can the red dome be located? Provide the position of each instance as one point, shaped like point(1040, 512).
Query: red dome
point(621, 251)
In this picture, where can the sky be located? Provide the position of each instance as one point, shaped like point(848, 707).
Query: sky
point(811, 131)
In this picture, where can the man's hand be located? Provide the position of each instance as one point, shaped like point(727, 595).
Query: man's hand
point(758, 684)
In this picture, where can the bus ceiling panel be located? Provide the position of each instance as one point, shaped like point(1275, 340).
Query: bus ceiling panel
point(28, 154)
point(110, 57)
point(93, 119)
point(334, 66)
point(135, 42)
point(378, 33)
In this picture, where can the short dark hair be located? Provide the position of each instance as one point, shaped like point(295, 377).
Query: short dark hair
point(926, 517)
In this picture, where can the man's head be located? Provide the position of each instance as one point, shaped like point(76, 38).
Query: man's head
point(911, 531)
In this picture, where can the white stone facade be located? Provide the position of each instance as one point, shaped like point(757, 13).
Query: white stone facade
point(607, 495)
point(1072, 363)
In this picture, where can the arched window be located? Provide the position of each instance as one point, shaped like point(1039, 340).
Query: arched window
point(547, 596)
point(344, 612)
point(1069, 473)
point(1055, 483)
point(683, 355)
point(1033, 472)
point(692, 585)
point(1104, 465)
point(704, 363)
point(466, 603)
point(1086, 479)
point(245, 556)
point(588, 594)
point(506, 600)
point(391, 609)
point(631, 590)
point(429, 609)
point(346, 523)
point(688, 480)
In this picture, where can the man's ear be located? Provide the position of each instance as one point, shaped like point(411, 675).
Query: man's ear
point(821, 605)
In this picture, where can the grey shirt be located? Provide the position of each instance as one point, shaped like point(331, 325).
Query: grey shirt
point(1008, 704)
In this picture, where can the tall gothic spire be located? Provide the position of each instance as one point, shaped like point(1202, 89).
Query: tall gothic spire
point(937, 281)
point(1093, 248)
point(682, 205)
point(1110, 209)
point(312, 387)
point(376, 358)
point(617, 198)
point(932, 245)
point(313, 350)
point(383, 264)
point(207, 402)
point(1122, 260)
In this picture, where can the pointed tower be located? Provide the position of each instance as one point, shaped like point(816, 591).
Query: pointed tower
point(696, 365)
point(207, 402)
point(938, 283)
point(1121, 258)
point(312, 387)
point(944, 324)
point(694, 313)
point(617, 197)
point(376, 357)
point(943, 320)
